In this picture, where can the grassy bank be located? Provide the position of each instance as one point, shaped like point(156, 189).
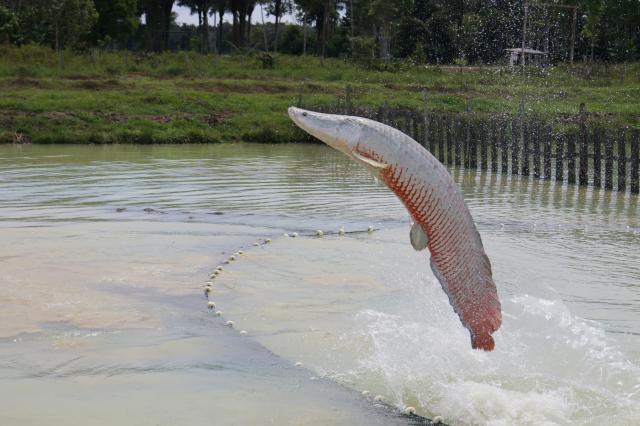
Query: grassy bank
point(178, 97)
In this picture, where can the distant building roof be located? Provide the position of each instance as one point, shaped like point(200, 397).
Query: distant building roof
point(526, 50)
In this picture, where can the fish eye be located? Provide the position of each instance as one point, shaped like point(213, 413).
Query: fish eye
point(304, 114)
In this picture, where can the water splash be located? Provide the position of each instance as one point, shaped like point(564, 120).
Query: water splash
point(549, 366)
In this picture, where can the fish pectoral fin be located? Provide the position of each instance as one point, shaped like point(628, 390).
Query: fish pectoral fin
point(371, 162)
point(419, 240)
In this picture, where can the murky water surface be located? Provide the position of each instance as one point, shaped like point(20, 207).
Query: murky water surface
point(103, 320)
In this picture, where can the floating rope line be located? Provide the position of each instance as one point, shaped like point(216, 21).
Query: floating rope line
point(378, 400)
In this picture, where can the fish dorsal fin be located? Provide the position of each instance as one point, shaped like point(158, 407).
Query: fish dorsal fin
point(419, 240)
point(369, 161)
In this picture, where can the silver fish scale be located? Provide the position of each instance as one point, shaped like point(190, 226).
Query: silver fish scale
point(458, 257)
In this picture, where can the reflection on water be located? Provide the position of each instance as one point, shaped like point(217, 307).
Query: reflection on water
point(105, 250)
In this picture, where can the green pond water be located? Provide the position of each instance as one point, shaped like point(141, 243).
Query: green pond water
point(103, 319)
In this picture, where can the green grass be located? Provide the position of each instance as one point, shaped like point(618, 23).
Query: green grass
point(121, 97)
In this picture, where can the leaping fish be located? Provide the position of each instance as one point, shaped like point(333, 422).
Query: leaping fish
point(440, 218)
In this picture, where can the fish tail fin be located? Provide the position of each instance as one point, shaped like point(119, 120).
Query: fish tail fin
point(483, 341)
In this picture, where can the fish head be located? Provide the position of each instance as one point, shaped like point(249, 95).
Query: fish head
point(338, 131)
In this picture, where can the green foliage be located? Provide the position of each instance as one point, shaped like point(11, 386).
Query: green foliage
point(418, 56)
point(291, 42)
point(461, 62)
point(58, 23)
point(432, 31)
point(8, 26)
point(471, 33)
point(363, 47)
point(117, 21)
point(110, 97)
point(158, 22)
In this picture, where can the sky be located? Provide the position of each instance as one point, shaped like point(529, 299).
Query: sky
point(184, 16)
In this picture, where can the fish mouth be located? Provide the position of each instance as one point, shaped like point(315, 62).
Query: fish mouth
point(293, 115)
point(303, 119)
point(309, 121)
point(326, 127)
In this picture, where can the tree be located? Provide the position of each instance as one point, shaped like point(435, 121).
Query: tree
point(291, 41)
point(202, 8)
point(219, 6)
point(8, 25)
point(277, 8)
point(59, 23)
point(385, 16)
point(241, 11)
point(617, 30)
point(117, 20)
point(323, 13)
point(158, 21)
point(250, 8)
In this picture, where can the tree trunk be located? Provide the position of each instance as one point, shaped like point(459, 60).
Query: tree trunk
point(234, 28)
point(275, 36)
point(384, 43)
point(249, 26)
point(158, 18)
point(351, 25)
point(250, 7)
point(57, 37)
point(220, 29)
point(304, 40)
point(277, 12)
point(242, 30)
point(205, 26)
point(264, 30)
point(214, 43)
point(326, 20)
point(319, 35)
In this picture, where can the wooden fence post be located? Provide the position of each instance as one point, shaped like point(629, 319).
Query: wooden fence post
point(622, 161)
point(432, 134)
point(547, 135)
point(421, 129)
point(584, 148)
point(608, 160)
point(441, 138)
point(415, 127)
point(504, 143)
point(571, 158)
point(515, 147)
point(408, 127)
point(482, 128)
point(535, 134)
point(473, 147)
point(460, 135)
point(597, 157)
point(450, 140)
point(526, 134)
point(347, 101)
point(395, 118)
point(425, 121)
point(468, 137)
point(299, 100)
point(494, 140)
point(635, 160)
point(560, 158)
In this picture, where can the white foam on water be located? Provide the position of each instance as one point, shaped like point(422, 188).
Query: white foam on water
point(549, 366)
